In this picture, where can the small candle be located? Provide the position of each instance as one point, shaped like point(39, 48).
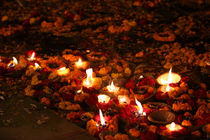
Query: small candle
point(81, 64)
point(13, 62)
point(123, 100)
point(168, 78)
point(103, 98)
point(88, 82)
point(173, 127)
point(140, 108)
point(63, 71)
point(112, 88)
point(32, 58)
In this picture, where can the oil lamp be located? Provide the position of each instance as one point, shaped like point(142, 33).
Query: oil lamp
point(102, 123)
point(81, 64)
point(168, 78)
point(173, 127)
point(13, 62)
point(63, 71)
point(103, 98)
point(112, 88)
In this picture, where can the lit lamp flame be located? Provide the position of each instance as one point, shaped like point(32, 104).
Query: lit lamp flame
point(13, 62)
point(169, 80)
point(112, 88)
point(63, 71)
point(103, 98)
point(89, 80)
point(140, 108)
point(173, 127)
point(79, 63)
point(101, 118)
point(32, 58)
point(37, 66)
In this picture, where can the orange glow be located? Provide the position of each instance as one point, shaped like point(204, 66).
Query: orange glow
point(37, 66)
point(81, 64)
point(112, 88)
point(174, 127)
point(88, 82)
point(101, 118)
point(13, 62)
point(123, 100)
point(168, 78)
point(103, 98)
point(63, 71)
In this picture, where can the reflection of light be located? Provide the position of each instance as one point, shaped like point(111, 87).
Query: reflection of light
point(173, 127)
point(89, 80)
point(63, 71)
point(101, 118)
point(103, 98)
point(13, 62)
point(140, 108)
point(112, 88)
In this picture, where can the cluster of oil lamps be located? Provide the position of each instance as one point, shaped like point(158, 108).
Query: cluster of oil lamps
point(164, 80)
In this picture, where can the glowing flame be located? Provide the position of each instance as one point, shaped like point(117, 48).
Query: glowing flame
point(103, 98)
point(37, 66)
point(32, 56)
point(89, 80)
point(63, 68)
point(101, 118)
point(169, 80)
point(112, 88)
point(63, 71)
point(174, 127)
point(13, 62)
point(140, 108)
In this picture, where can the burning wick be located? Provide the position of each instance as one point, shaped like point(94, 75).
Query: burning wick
point(32, 58)
point(13, 62)
point(63, 71)
point(112, 88)
point(140, 108)
point(173, 127)
point(168, 78)
point(169, 81)
point(37, 66)
point(89, 80)
point(102, 120)
point(103, 99)
point(79, 63)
